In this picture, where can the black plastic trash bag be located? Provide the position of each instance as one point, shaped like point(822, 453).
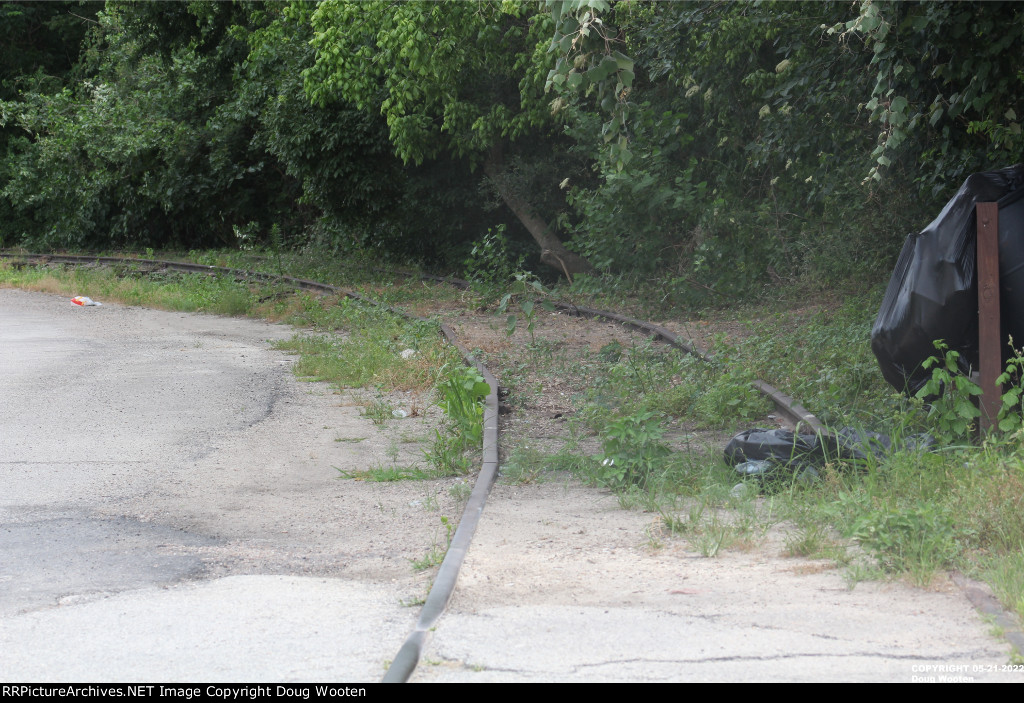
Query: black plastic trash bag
point(785, 448)
point(933, 292)
point(858, 445)
point(782, 447)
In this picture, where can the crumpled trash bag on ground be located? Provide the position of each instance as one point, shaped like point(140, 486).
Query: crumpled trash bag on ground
point(933, 292)
point(85, 301)
point(759, 451)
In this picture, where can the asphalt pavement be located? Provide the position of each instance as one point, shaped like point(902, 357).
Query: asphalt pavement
point(170, 509)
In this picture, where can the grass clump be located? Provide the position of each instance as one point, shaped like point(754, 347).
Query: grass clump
point(665, 381)
point(214, 294)
point(461, 392)
point(526, 465)
point(388, 474)
point(378, 349)
point(917, 540)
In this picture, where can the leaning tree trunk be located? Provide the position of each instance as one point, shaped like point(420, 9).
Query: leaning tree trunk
point(552, 251)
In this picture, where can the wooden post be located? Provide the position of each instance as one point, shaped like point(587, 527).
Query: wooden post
point(989, 334)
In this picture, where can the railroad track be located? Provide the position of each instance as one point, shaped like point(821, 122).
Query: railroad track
point(443, 587)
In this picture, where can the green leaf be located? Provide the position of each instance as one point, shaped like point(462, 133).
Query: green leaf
point(625, 63)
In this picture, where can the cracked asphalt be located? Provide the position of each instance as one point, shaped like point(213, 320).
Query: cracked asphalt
point(561, 585)
point(169, 506)
point(169, 509)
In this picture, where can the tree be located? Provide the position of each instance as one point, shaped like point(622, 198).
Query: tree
point(140, 150)
point(462, 78)
point(732, 143)
point(948, 89)
point(42, 43)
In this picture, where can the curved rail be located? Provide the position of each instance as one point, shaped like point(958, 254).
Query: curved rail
point(444, 582)
point(443, 587)
point(794, 412)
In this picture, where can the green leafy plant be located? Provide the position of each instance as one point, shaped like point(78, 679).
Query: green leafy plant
point(632, 450)
point(524, 286)
point(491, 265)
point(917, 540)
point(1011, 409)
point(462, 393)
point(953, 411)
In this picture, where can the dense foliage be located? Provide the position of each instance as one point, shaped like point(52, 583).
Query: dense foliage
point(715, 146)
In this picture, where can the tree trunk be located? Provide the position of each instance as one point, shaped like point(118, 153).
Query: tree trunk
point(552, 251)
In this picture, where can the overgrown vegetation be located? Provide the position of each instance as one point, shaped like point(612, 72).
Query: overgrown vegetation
point(709, 147)
point(462, 391)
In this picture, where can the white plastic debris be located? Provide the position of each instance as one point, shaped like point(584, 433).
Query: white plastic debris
point(400, 413)
point(741, 490)
point(84, 301)
point(754, 467)
point(408, 353)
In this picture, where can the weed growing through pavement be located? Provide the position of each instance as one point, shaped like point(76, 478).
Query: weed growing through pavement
point(460, 491)
point(387, 474)
point(412, 601)
point(435, 555)
point(461, 393)
point(379, 411)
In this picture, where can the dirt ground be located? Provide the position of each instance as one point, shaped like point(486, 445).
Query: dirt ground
point(555, 543)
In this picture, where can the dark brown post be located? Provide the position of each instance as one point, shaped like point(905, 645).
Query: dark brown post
point(989, 336)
